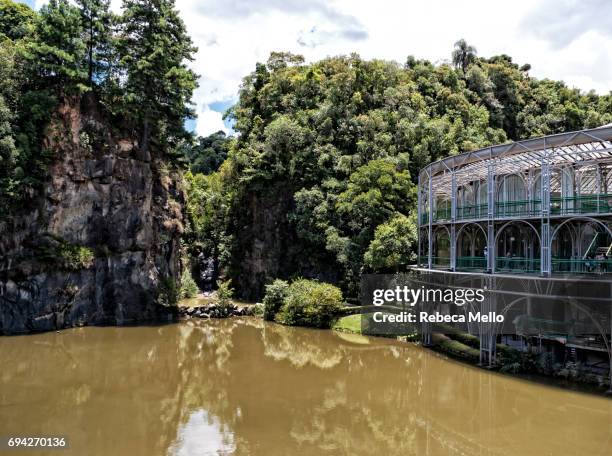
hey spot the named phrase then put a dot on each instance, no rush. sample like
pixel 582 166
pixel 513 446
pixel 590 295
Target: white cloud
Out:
pixel 232 35
pixel 209 121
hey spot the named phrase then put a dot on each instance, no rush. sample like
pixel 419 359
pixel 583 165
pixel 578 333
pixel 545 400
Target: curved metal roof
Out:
pixel 575 146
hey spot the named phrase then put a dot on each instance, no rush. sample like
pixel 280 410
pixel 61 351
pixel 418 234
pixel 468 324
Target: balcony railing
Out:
pixel 471 211
pixel 441 262
pixel 581 266
pixel 524 265
pixel 584 204
pixel 517 208
pixel 443 213
pixel 517 264
pixel 471 263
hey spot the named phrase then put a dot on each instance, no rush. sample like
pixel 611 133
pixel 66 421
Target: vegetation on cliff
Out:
pixel 133 65
pixel 320 180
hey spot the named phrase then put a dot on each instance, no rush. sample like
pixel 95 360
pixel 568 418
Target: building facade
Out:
pixel 539 206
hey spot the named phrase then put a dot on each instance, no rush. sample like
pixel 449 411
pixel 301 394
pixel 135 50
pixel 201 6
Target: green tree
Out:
pixel 97 22
pixel 463 55
pixel 8 153
pixel 394 245
pixel 56 54
pixel 208 153
pixel 310 303
pixel 16 19
pixel 375 191
pixel 189 288
pixel 155 49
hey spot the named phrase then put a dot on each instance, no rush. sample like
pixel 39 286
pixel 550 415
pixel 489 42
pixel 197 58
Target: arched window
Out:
pixel 517 248
pixel 512 196
pixel 441 248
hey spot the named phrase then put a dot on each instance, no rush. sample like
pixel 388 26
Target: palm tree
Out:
pixel 463 54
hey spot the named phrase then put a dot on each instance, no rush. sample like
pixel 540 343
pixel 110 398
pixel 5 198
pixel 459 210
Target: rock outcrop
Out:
pixel 267 246
pixel 101 243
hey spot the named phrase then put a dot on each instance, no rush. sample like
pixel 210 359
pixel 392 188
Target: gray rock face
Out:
pixel 97 245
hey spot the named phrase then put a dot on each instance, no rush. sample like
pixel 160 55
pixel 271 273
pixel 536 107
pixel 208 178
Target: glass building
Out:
pixel 539 206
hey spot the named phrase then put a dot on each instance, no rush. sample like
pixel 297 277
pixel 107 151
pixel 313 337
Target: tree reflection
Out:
pixel 242 386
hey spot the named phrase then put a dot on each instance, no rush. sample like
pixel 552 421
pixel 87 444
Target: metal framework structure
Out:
pixel 539 206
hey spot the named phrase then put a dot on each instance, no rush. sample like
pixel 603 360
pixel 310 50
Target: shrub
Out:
pixel 75 257
pixel 168 293
pixel 274 298
pixel 310 303
pixel 67 256
pixel 189 288
pixel 225 292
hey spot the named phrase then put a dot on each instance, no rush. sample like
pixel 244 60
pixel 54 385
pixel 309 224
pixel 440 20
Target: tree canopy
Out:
pixel 333 149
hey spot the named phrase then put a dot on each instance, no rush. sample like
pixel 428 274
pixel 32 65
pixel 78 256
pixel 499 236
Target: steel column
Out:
pixel 490 218
pixel 419 219
pixel 453 232
pixel 430 225
pixel 545 258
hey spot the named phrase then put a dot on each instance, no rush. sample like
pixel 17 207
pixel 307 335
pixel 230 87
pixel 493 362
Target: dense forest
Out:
pixel 320 176
pixel 318 180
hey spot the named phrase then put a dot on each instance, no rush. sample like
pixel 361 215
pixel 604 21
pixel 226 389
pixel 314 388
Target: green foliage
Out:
pixel 76 257
pixel 224 294
pixel 333 149
pixel 207 154
pixel 394 245
pixel 207 214
pixel 168 293
pixel 55 55
pixel 276 292
pixel 463 55
pixel 154 48
pixel 257 310
pixel 135 65
pixel 16 19
pixel 310 303
pixel 66 256
pixel 189 288
pixel 97 21
pixel 375 191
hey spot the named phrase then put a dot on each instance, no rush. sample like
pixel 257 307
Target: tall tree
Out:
pixel 463 55
pixel 97 21
pixel 155 49
pixel 57 50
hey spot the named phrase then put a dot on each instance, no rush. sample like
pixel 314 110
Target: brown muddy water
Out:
pixel 245 387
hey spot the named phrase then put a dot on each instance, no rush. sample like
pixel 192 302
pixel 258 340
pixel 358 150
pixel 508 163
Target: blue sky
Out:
pixel 569 40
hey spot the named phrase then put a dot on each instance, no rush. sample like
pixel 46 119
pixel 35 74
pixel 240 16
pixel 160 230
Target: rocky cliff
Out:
pixel 267 246
pixel 100 245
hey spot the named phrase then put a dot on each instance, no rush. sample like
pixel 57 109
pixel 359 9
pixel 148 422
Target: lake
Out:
pixel 242 386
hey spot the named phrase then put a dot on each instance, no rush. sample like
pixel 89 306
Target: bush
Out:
pixel 76 257
pixel 67 256
pixel 225 293
pixel 189 288
pixel 168 294
pixel 310 303
pixel 274 298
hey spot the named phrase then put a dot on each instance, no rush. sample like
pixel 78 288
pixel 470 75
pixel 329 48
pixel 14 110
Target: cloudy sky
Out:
pixel 562 39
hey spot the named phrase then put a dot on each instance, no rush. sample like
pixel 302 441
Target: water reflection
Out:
pixel 243 387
